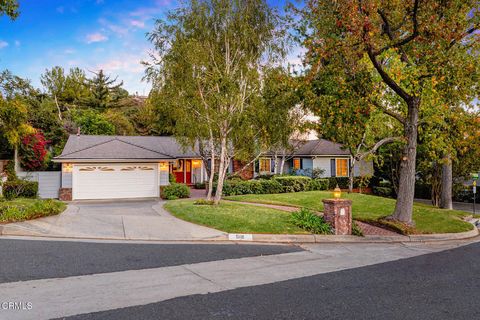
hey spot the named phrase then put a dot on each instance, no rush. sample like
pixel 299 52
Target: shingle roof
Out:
pixel 321 147
pixel 123 148
pixel 86 147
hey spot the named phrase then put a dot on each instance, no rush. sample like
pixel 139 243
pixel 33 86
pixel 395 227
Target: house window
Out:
pixel 264 165
pixel 342 168
pixel 296 164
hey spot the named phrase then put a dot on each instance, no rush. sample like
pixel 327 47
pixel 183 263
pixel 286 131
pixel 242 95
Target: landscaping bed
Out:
pixel 372 209
pixel 22 209
pixel 235 217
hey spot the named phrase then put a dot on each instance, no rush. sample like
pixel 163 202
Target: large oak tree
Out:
pixel 413 46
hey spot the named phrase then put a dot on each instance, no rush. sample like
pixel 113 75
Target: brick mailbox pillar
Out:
pixel 338 213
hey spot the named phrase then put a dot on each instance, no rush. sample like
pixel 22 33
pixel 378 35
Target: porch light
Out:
pixel 337 192
pixel 67 167
pixel 163 166
pixel 196 163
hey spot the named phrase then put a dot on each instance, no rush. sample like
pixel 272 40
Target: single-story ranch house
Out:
pixel 113 167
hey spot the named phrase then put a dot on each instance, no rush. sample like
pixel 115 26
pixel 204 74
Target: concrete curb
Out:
pixel 310 238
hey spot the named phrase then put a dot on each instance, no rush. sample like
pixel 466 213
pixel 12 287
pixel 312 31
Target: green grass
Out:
pixel 26 209
pixel 235 217
pixel 371 208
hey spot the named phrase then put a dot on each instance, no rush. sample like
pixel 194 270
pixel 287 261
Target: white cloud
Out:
pixel 137 23
pixel 17 43
pixel 3 44
pixel 60 9
pixel 69 51
pixel 96 37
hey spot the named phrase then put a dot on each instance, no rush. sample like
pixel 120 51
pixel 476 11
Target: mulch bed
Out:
pixel 370 230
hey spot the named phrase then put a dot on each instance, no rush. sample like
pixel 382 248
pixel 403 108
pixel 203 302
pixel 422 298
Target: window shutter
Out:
pixel 333 168
pixel 257 166
pixel 349 166
pixel 272 165
pixel 301 163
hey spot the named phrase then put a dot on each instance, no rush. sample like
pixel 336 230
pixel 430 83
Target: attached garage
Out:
pixel 122 167
pixel 115 180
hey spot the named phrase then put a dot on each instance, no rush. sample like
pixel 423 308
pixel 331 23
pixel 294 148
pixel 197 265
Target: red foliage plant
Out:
pixel 33 151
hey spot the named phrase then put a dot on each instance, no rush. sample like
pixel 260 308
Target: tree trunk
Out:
pixel 16 161
pixel 275 164
pixel 221 170
pixel 212 170
pixel 406 188
pixel 351 172
pixel 282 164
pixel 447 182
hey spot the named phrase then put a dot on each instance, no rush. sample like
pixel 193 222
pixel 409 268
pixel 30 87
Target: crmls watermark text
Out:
pixel 11 305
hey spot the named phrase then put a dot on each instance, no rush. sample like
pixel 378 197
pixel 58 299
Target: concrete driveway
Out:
pixel 125 220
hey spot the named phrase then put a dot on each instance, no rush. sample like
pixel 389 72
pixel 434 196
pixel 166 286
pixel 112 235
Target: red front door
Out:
pixel 188 171
pixel 178 171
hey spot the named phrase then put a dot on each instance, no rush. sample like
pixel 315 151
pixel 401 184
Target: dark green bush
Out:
pixel 175 191
pixel 293 183
pixel 342 182
pixel 318 184
pixel 171 178
pixel 20 188
pixel 311 222
pixel 382 191
pixel 200 185
pixel 239 187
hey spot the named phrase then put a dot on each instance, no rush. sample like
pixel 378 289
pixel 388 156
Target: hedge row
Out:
pixel 280 184
pixel 175 191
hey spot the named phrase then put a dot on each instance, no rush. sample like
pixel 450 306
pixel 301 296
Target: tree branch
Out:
pixel 391 113
pixel 375 147
pixel 386 78
pixel 403 41
pixel 465 34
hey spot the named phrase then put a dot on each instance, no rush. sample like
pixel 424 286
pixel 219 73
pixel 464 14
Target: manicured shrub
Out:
pixel 293 183
pixel 20 188
pixel 175 191
pixel 382 191
pixel 318 184
pixel 311 222
pixel 200 185
pixel 171 178
pixel 239 187
pixel 342 182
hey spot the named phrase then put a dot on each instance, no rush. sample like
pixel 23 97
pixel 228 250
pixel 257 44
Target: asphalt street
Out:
pixel 23 260
pixel 440 285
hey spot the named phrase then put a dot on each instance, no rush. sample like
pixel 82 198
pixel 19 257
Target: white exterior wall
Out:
pixel 324 164
pixel 163 174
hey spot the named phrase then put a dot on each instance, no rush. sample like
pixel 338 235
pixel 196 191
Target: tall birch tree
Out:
pixel 206 68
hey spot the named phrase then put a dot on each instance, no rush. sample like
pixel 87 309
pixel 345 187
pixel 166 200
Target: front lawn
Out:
pixel 234 217
pixel 370 208
pixel 26 209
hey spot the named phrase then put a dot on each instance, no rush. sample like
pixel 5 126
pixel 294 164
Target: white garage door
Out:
pixel 114 181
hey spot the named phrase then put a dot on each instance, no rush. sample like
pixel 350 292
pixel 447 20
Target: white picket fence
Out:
pixel 49 182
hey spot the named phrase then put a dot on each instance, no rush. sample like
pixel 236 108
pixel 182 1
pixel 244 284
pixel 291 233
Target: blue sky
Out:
pixel 91 34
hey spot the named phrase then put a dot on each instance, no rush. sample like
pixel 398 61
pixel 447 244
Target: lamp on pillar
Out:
pixel 338 213
pixel 337 192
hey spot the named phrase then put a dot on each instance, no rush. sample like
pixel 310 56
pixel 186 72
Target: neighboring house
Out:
pixel 315 154
pixel 114 167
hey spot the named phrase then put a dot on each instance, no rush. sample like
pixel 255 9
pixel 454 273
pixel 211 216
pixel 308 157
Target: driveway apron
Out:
pixel 126 220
